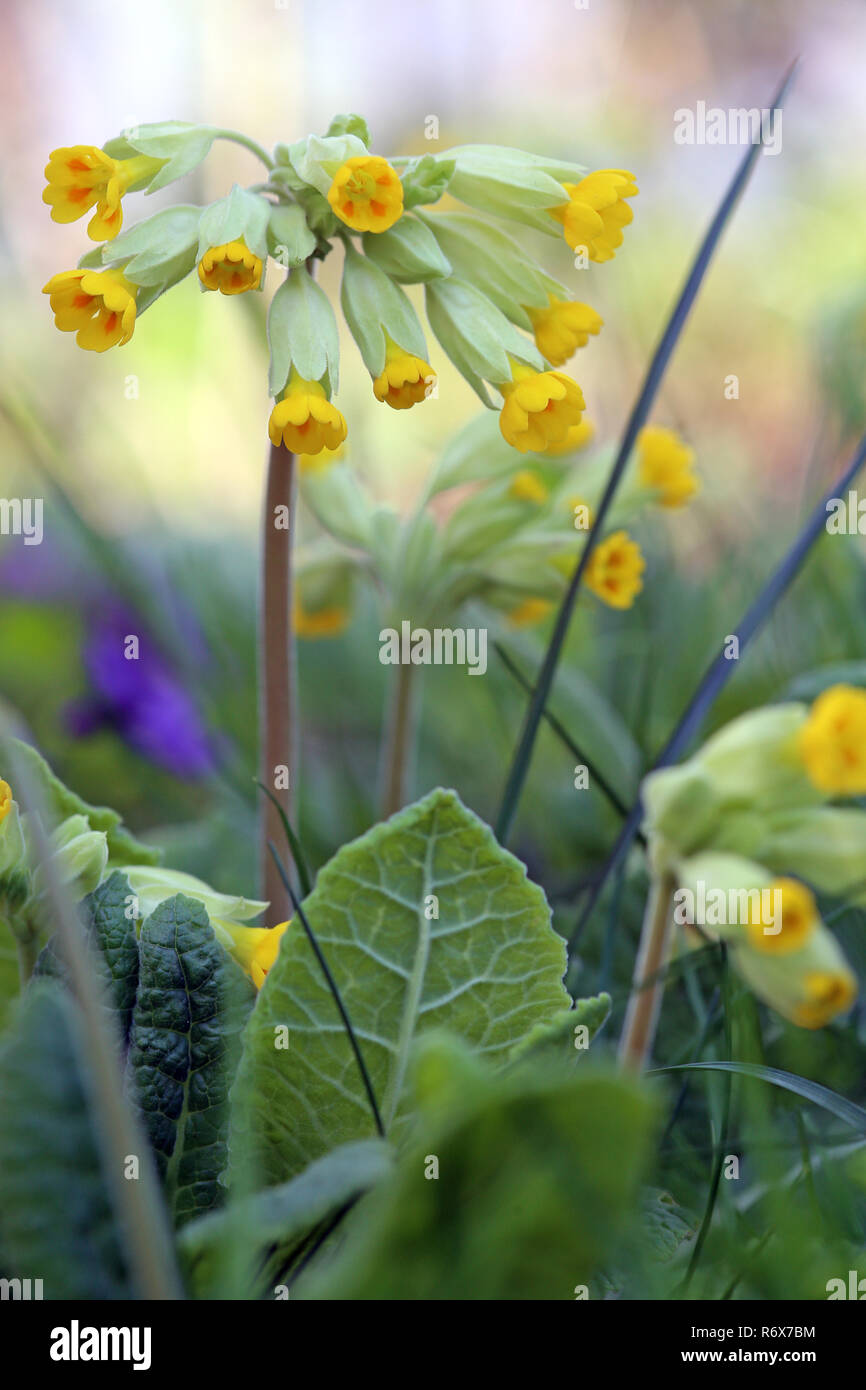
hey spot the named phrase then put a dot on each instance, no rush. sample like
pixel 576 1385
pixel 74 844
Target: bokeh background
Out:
pixel 151 459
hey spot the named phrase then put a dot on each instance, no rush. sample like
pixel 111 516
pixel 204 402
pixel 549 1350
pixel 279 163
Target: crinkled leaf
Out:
pixel 488 967
pixel 559 1040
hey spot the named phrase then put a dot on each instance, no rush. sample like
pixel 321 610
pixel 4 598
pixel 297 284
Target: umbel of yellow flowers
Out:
pixel 752 828
pixel 501 317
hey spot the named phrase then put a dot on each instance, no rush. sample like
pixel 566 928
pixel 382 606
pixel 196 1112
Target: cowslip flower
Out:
pixel 539 409
pixel 254 948
pixel 578 437
pixel 5 799
pixel 329 621
pixel 799 917
pixel 530 611
pixel 405 379
pixel 526 486
pixel 231 269
pixel 81 175
pixel 562 328
pixel 304 420
pixel 614 570
pixel 367 194
pixel 832 741
pixel 665 465
pixel 596 213
pixel 97 305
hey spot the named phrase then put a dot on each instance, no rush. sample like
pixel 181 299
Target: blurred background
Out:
pixel 151 459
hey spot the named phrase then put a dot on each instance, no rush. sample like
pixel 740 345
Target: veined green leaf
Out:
pixel 426 924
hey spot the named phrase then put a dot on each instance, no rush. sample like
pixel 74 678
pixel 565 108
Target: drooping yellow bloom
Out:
pixel 367 193
pixel 405 380
pixel 254 948
pixel 231 269
pixel 614 570
pixel 530 611
pixel 98 305
pixel 665 464
pixel 562 328
pixel 827 993
pixel 305 421
pixel 578 437
pixel 799 917
pixel 81 175
pixel 832 741
pixel 323 622
pixel 539 409
pixel 526 486
pixel 5 799
pixel 321 462
pixel 595 213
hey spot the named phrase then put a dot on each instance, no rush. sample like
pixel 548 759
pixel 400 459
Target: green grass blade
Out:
pixel 812 1091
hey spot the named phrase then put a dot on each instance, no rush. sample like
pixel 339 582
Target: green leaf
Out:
pixel 56 1217
pixel 408 252
pixel 487 968
pixel 234 1243
pixel 290 240
pixel 182 144
pixel 191 1004
pixel 813 1091
pixel 112 932
pixel 810 684
pixel 537 1178
pixel 559 1039
pixel 302 333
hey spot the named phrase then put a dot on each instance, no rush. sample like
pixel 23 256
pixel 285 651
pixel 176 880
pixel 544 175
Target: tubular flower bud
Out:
pixel 578 437
pixel 405 380
pixel 539 409
pixel 562 328
pixel 799 917
pixel 528 487
pixel 254 948
pixel 304 420
pixel 832 742
pixel 614 570
pixel 665 466
pixel 81 175
pixel 231 269
pixel 810 987
pixel 321 622
pixel 367 194
pixel 530 611
pixel 97 305
pixel 595 213
pixel 5 799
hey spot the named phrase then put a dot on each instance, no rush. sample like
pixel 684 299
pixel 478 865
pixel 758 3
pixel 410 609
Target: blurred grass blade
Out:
pixel 812 1091
pixel 721 669
pixel 637 419
pixel 293 842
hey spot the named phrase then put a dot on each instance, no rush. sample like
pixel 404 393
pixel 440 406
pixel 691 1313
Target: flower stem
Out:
pixel 399 740
pixel 278 721
pixel 641 1017
pixel 252 145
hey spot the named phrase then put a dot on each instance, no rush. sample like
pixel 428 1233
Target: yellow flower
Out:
pixel 665 465
pixel 97 304
pixel 595 213
pixel 81 175
pixel 539 409
pixel 304 421
pixel 321 462
pixel 254 948
pixel 531 610
pixel 827 994
pixel 231 269
pixel 562 328
pixel 5 799
pixel 577 437
pixel 324 622
pixel 799 913
pixel 367 193
pixel 614 570
pixel 406 379
pixel 832 741
pixel 528 487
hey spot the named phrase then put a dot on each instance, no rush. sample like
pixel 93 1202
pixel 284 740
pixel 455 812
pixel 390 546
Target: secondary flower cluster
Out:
pixel 497 314
pixel 752 819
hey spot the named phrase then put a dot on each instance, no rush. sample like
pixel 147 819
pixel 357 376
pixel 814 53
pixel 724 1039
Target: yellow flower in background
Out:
pixel 5 799
pixel 231 268
pixel 614 570
pixel 595 213
pixel 405 380
pixel 81 175
pixel 799 917
pixel 526 486
pixel 98 305
pixel 562 328
pixel 665 464
pixel 578 437
pixel 321 462
pixel 827 993
pixel 254 948
pixel 305 421
pixel 367 194
pixel 530 611
pixel 323 622
pixel 539 409
pixel 832 741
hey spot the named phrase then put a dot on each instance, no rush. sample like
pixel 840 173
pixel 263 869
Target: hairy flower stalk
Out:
pixel 400 728
pixel 644 1005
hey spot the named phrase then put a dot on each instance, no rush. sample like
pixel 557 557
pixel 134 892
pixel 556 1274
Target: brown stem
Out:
pixel 641 1018
pixel 278 696
pixel 398 740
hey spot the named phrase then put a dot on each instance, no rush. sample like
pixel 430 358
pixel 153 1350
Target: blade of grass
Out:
pixel 721 1145
pixel 294 843
pixel 640 412
pixel 811 1091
